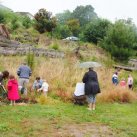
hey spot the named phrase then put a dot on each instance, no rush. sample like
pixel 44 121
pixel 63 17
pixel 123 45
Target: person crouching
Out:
pixel 44 87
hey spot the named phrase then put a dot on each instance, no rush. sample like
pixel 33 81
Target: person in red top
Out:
pixel 12 88
pixel 123 83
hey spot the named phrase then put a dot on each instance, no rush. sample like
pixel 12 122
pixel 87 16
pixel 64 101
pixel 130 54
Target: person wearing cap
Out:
pixel 24 72
pixel 91 87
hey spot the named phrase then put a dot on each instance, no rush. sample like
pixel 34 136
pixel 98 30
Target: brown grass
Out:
pixel 63 74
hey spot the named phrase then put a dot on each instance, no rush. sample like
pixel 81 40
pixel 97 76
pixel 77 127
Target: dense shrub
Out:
pixel 117 95
pixel 120 40
pixel 96 30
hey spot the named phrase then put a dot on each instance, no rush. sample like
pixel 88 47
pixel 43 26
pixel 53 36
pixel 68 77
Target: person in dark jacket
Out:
pixel 91 87
pixel 24 72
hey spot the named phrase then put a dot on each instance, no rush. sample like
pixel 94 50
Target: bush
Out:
pixel 26 22
pixel 55 46
pixel 120 40
pixel 117 95
pixel 44 100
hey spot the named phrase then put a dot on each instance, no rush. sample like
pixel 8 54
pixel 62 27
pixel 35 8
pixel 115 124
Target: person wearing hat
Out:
pixel 91 87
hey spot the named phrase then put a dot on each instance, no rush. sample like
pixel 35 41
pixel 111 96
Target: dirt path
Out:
pixel 54 129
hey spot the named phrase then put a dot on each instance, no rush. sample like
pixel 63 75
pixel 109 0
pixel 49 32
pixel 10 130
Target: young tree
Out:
pixel 44 21
pixel 62 18
pixel 84 14
pixel 96 30
pixel 120 40
pixel 61 31
pixel 74 26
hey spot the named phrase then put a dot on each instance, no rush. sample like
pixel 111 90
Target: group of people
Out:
pixel 13 86
pixel 88 90
pixel 123 83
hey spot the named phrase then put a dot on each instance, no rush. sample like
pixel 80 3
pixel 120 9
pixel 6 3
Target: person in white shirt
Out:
pixel 79 94
pixel 44 87
pixel 130 81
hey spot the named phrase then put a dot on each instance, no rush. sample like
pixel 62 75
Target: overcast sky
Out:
pixel 110 9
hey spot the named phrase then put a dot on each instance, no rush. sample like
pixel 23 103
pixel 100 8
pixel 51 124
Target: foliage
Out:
pixel 30 60
pixel 117 95
pixel 2 19
pixel 55 46
pixel 62 18
pixel 14 24
pixel 74 26
pixel 26 22
pixel 44 21
pixel 96 30
pixel 45 100
pixel 84 14
pixel 120 40
pixel 61 31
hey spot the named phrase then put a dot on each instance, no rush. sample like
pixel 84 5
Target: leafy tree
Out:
pixel 96 30
pixel 61 31
pixel 62 18
pixel 74 26
pixel 85 14
pixel 120 40
pixel 44 21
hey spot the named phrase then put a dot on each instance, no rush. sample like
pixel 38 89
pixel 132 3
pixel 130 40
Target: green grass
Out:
pixel 33 120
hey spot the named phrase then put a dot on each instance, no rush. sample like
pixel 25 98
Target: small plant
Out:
pixel 44 100
pixel 30 60
pixel 55 46
pixel 117 95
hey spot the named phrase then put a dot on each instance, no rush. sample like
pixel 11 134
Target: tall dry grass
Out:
pixel 63 74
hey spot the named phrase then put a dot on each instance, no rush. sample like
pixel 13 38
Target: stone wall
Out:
pixel 8 47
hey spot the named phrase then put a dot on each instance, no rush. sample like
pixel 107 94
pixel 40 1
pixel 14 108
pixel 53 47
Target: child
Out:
pixel 123 83
pixel 115 78
pixel 44 87
pixel 130 82
pixel 12 87
pixel 37 83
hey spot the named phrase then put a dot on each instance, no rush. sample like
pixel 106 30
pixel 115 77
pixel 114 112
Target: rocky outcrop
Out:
pixel 4 32
pixel 8 47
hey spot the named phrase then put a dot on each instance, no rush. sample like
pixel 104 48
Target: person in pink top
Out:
pixel 123 83
pixel 12 88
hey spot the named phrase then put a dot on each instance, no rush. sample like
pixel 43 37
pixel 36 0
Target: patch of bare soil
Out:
pixel 84 130
pixel 44 128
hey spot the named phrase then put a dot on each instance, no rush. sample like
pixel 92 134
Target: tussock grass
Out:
pixel 63 74
pixel 45 100
pixel 117 95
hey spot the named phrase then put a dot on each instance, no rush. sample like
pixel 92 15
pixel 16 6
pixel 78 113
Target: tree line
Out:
pixel 119 38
